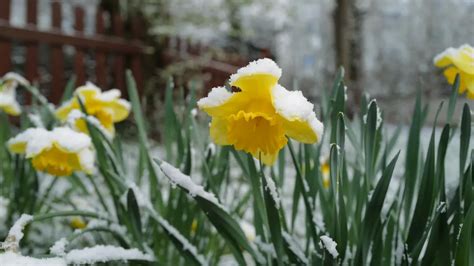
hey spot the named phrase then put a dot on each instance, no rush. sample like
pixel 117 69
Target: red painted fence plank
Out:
pixel 100 56
pixel 79 67
pixel 119 62
pixel 5 46
pixel 57 58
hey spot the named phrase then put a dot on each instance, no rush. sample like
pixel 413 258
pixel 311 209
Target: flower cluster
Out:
pixel 68 148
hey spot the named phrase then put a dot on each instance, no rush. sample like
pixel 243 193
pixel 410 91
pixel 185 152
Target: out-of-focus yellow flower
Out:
pixel 106 107
pixel 458 61
pixel 77 223
pixel 58 152
pixel 259 113
pixel 194 226
pixel 8 84
pixel 325 171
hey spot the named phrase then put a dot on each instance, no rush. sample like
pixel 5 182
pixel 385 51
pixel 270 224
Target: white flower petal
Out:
pixel 12 76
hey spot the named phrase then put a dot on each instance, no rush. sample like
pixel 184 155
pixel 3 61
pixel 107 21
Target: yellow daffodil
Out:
pixel 8 84
pixel 58 152
pixel 325 171
pixel 105 107
pixel 259 113
pixel 458 61
pixel 77 223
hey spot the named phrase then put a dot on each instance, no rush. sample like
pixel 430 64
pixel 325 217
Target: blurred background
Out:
pixel 386 47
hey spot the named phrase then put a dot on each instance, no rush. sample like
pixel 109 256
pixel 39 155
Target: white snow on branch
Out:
pixel 12 243
pixel 103 253
pixel 184 181
pixel 330 245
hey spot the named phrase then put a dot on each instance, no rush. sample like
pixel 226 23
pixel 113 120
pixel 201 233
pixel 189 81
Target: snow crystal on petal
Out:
pixel 70 140
pixel 292 105
pixel 101 253
pixel 217 96
pixel 109 95
pixel 330 245
pixel 260 66
pixel 41 137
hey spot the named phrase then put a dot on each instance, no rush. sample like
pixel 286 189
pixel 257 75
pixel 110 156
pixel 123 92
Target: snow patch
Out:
pixel 12 243
pixel 260 66
pixel 184 181
pixel 217 97
pixel 293 106
pixel 103 253
pixel 295 248
pixel 59 247
pixel 15 259
pixel 273 191
pixel 330 245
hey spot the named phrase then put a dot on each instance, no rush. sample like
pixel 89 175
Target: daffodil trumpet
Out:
pixel 259 114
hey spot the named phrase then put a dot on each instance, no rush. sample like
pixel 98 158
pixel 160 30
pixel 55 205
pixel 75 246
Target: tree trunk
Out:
pixel 348 22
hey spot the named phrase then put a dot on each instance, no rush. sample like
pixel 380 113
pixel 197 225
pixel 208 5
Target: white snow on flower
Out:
pixel 260 66
pixel 273 191
pixel 12 242
pixel 15 259
pixel 295 248
pixel 248 229
pixel 37 140
pixel 184 181
pixel 76 114
pixel 293 106
pixel 330 245
pixel 59 247
pixel 12 76
pixel 217 97
pixel 101 253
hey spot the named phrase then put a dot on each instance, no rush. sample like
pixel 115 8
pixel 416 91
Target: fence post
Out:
pixel 79 67
pixel 100 56
pixel 31 69
pixel 119 69
pixel 5 45
pixel 57 57
pixel 137 28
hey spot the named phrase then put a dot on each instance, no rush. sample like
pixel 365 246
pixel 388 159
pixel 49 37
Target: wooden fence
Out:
pixel 124 53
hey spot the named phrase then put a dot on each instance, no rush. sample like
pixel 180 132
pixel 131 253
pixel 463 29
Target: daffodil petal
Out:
pixel 41 141
pixel 70 140
pixel 462 58
pixel 12 76
pixel 120 109
pixel 297 113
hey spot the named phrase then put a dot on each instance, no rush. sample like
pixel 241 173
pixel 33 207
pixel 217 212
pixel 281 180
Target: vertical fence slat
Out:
pixel 100 56
pixel 137 28
pixel 119 68
pixel 79 67
pixel 5 45
pixel 31 68
pixel 57 57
